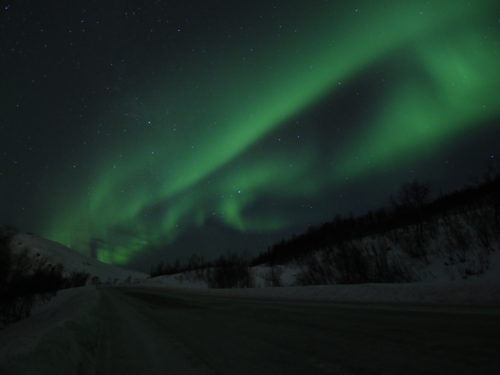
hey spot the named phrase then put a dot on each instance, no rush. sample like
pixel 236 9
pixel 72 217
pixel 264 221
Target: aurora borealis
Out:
pixel 144 122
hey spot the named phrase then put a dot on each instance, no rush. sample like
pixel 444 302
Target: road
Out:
pixel 156 331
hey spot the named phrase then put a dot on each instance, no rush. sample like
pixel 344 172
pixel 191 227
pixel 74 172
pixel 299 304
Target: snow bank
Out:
pixel 53 334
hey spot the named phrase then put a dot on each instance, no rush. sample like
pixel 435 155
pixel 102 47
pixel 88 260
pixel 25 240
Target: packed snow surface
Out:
pixel 138 329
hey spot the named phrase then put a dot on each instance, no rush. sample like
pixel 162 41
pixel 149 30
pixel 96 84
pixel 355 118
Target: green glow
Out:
pixel 201 156
pixel 465 92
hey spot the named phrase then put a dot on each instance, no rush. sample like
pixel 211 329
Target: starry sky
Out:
pixel 157 129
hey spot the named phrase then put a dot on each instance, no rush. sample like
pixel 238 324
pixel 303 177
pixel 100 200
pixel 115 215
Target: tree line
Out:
pixel 332 253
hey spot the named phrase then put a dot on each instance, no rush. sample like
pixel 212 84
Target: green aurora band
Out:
pixel 202 150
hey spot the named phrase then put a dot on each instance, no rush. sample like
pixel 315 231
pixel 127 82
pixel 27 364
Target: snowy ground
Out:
pixel 47 320
pixel 133 330
pixel 177 324
pixel 473 292
pixel 441 287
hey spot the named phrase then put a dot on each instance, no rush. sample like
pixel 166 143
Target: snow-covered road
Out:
pixel 139 330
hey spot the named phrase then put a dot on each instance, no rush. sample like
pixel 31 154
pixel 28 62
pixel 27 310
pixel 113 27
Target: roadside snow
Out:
pixel 481 289
pixel 464 292
pixel 24 336
pixel 428 293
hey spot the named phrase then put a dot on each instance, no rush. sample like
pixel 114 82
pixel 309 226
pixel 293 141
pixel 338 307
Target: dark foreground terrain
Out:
pixel 157 331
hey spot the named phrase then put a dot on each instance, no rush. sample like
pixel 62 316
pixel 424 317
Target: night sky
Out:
pixel 164 128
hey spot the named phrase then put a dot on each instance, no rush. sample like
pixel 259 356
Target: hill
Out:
pixel 72 261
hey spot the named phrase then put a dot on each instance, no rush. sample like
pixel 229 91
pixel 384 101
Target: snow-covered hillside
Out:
pixel 71 260
pixel 459 248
